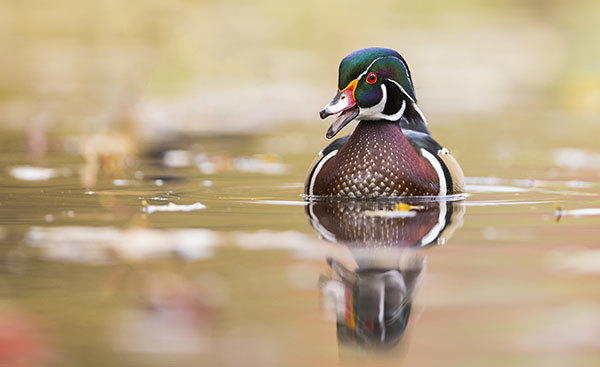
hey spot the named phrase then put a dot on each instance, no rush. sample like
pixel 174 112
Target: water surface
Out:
pixel 201 251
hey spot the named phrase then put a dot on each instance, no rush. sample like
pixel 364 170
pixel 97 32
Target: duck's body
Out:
pixel 383 159
pixel 390 153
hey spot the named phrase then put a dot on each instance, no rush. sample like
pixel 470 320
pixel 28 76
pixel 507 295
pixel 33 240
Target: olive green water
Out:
pixel 92 275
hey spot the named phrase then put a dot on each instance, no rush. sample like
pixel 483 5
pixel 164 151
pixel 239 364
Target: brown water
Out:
pixel 239 271
pixel 152 156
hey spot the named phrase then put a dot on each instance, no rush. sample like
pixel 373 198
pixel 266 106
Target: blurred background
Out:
pixel 154 67
pixel 151 70
pixel 137 139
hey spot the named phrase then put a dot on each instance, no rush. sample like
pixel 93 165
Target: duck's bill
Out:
pixel 345 103
pixel 342 120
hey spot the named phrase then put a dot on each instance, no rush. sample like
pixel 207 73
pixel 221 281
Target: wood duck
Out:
pixel 391 152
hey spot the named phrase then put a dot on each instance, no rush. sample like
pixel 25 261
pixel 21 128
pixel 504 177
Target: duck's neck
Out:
pixel 380 137
pixel 379 132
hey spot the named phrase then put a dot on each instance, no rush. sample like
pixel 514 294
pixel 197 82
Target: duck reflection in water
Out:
pixel 372 302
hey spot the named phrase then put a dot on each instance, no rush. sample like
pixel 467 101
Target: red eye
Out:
pixel 371 78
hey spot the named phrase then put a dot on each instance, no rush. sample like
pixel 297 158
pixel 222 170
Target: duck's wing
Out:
pixel 440 158
pixel 324 155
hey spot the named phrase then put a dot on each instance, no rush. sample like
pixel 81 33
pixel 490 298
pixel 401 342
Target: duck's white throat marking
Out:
pixel 376 112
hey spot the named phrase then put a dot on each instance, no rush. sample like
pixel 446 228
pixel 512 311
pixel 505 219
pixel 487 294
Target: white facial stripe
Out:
pixel 376 112
pixel 402 89
pixel 438 169
pixel 407 73
pixel 397 115
pixel 416 108
pixel 341 104
pixel 368 67
pixel 317 169
pixel 383 57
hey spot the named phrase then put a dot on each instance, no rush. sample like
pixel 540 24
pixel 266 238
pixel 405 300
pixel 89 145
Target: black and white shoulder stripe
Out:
pixel 428 148
pixel 323 157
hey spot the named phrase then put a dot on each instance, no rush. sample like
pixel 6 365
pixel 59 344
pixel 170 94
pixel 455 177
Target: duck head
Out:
pixel 373 84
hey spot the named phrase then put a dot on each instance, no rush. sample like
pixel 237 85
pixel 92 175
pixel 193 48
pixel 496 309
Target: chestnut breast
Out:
pixel 377 161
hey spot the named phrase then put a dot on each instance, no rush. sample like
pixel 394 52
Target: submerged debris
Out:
pixel 401 210
pixel 107 245
pixel 407 207
pixel 31 173
pixel 121 182
pixel 583 212
pixel 172 207
pixel 101 245
pixel 178 158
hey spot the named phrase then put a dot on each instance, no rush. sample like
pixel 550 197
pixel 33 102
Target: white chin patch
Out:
pixel 338 107
pixel 376 112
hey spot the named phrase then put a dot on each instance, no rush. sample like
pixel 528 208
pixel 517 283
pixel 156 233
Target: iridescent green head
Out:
pixel 374 84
